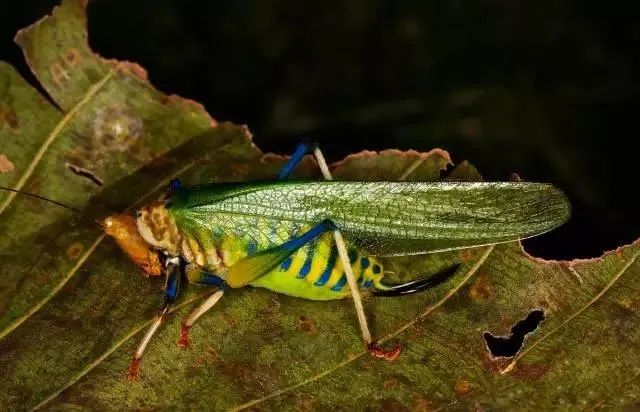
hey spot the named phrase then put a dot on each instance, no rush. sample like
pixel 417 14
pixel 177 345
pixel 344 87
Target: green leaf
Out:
pixel 72 306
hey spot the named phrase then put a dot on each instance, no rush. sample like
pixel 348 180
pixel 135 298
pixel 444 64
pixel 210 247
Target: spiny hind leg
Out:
pixel 307 147
pixel 374 348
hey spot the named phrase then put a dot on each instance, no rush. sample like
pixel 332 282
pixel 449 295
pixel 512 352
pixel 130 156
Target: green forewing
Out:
pixel 387 218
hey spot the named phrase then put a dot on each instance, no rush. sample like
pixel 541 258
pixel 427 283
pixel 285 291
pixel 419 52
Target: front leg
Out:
pixel 199 276
pixel 172 290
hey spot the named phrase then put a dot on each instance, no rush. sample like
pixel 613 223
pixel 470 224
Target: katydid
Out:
pixel 320 240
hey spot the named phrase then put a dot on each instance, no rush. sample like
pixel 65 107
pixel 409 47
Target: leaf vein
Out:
pixel 608 286
pixel 91 92
pixel 19 321
pixel 393 334
pixel 112 349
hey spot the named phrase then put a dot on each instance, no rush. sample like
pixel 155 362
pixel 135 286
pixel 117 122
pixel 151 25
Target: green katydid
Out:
pixel 320 240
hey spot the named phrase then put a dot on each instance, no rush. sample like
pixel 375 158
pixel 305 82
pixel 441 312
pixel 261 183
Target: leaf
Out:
pixel 72 306
pixel 108 121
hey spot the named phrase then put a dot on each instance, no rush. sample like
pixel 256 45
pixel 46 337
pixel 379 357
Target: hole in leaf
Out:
pixel 501 346
pixel 88 174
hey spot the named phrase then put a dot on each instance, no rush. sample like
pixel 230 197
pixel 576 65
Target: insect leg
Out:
pixel 247 270
pixel 195 314
pixel 373 347
pixel 304 148
pixel 355 291
pixel 172 289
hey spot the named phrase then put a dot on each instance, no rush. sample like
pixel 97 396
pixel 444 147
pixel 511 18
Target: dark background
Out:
pixel 545 89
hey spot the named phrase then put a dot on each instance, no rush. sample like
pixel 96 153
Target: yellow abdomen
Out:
pixel 315 272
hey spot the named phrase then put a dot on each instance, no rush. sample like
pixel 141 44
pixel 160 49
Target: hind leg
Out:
pixel 372 346
pixel 303 149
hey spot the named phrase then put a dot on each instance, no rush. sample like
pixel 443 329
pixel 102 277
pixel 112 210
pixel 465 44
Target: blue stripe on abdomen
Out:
pixel 306 267
pixel 286 264
pixel 338 286
pixel 331 262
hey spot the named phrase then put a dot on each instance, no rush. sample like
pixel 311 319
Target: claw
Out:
pixel 183 342
pixel 378 351
pixel 133 373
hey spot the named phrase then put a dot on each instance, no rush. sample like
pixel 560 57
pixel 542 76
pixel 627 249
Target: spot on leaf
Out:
pixel 462 387
pixel 482 290
pixel 6 165
pixel 116 129
pixel 9 117
pixel 75 250
pixel 307 325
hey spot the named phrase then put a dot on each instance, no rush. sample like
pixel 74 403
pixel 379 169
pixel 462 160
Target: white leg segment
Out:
pixel 355 291
pixel 322 164
pixel 203 308
pixel 152 330
pixel 344 257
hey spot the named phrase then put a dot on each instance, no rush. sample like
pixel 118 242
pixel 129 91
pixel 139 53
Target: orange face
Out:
pixel 123 229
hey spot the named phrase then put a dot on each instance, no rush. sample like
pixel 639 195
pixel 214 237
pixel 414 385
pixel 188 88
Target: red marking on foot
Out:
pixel 183 342
pixel 378 351
pixel 133 374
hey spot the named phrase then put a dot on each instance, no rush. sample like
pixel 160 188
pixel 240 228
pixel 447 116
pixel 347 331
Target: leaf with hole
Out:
pixel 72 306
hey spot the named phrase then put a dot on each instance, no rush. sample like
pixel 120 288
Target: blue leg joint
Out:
pixel 210 279
pixel 174 278
pixel 303 149
pixel 175 184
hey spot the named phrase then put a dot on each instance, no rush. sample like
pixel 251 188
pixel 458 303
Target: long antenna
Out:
pixel 55 202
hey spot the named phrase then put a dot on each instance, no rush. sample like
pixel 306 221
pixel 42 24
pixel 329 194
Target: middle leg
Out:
pixel 195 314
